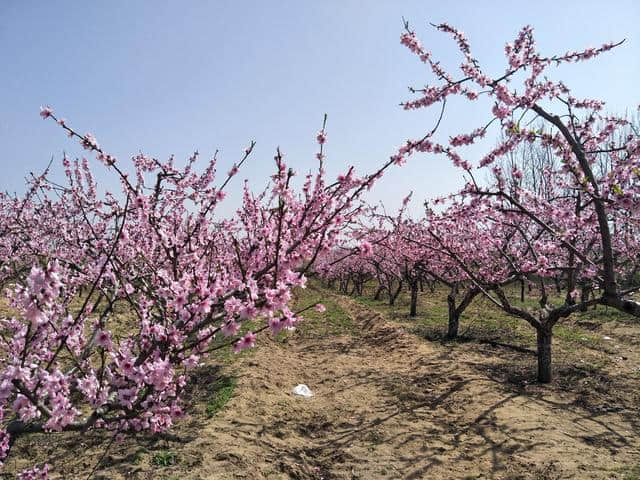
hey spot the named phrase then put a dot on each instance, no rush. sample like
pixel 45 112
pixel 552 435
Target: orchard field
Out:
pixel 392 399
pixel 158 317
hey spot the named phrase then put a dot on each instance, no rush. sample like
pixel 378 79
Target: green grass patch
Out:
pixel 333 321
pixel 224 389
pixel 136 457
pixel 570 334
pixel 603 313
pixel 164 458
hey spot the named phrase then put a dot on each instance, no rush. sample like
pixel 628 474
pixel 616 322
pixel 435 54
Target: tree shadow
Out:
pixel 428 405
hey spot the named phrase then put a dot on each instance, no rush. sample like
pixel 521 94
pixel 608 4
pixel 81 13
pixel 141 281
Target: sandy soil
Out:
pixel 387 405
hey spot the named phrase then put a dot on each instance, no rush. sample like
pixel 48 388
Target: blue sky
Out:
pixel 172 77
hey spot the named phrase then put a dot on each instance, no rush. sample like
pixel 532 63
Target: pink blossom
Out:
pixel 275 324
pixel 103 339
pixel 366 248
pixel 35 473
pixel 45 112
pixel 248 341
pixel 230 328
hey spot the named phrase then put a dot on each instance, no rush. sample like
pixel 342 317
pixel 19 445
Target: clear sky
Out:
pixel 171 77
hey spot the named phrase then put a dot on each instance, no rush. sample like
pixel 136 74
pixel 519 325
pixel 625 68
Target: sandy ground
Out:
pixel 387 404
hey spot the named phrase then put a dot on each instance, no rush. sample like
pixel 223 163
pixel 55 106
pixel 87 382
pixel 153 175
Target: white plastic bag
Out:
pixel 302 390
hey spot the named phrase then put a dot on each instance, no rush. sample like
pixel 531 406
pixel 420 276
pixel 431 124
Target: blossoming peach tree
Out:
pixel 586 229
pixel 71 257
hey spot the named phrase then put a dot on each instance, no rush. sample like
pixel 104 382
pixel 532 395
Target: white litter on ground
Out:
pixel 302 390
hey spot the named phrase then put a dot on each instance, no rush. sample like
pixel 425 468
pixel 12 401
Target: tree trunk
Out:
pixel 394 295
pixel 454 322
pixel 544 355
pixel 454 318
pixel 456 312
pixel 414 300
pixel 584 297
pixel 378 293
pixel 522 290
pixel 558 285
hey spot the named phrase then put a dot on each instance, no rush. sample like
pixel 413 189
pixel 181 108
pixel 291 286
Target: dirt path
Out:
pixel 390 405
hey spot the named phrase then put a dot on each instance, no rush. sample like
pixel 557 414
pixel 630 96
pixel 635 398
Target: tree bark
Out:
pixel 584 297
pixel 454 323
pixel 629 306
pixel 378 293
pixel 456 312
pixel 544 355
pixel 414 300
pixel 394 295
pixel 454 318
